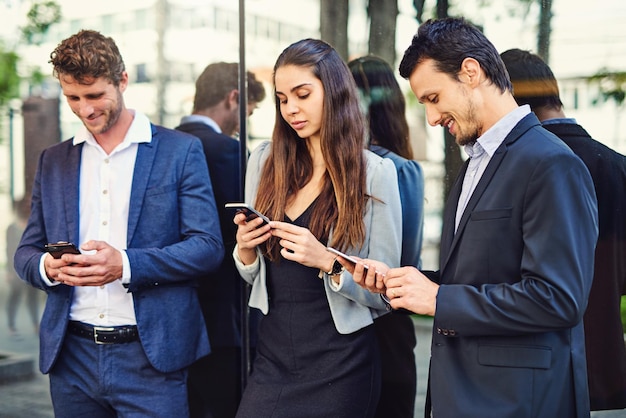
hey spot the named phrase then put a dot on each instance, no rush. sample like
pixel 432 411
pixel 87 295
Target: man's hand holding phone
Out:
pixel 100 264
pixel 57 250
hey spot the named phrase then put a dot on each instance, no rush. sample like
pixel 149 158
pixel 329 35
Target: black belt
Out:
pixel 104 335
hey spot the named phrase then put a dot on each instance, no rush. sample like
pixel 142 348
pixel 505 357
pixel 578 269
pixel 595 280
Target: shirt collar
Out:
pixel 555 121
pixel 493 137
pixel 201 119
pixel 140 130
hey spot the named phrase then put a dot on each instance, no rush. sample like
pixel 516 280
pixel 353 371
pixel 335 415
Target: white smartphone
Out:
pixel 249 211
pixel 342 255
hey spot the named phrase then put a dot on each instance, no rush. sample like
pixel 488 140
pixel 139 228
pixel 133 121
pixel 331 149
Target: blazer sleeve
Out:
pixel 411 185
pixel 255 272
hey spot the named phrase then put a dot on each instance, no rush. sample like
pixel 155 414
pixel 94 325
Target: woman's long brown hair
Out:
pixel 289 167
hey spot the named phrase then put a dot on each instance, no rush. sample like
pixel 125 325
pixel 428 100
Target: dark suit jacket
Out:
pixel 507 333
pixel 604 334
pixel 221 292
pixel 173 240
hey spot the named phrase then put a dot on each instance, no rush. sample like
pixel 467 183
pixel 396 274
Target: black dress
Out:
pixel 304 367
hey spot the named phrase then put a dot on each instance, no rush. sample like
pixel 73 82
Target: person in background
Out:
pixel 215 381
pixel 122 320
pixel 317 353
pixel 385 110
pixel 17 288
pixel 534 84
pixel 518 239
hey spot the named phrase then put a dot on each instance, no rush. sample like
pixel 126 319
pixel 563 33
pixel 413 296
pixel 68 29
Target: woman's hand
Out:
pixel 249 235
pixel 301 246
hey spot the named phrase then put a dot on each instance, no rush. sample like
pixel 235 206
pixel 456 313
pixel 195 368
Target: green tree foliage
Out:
pixel 40 17
pixel 611 84
pixel 9 78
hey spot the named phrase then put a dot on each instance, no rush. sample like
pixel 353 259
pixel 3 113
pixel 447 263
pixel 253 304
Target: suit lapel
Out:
pixel 146 152
pixel 485 179
pixel 71 186
pixel 447 233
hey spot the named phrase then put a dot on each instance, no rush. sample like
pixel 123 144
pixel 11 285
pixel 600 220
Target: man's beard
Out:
pixel 464 138
pixel 111 117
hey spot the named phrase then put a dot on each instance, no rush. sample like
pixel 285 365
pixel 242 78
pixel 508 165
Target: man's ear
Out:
pixel 231 100
pixel 123 82
pixel 470 72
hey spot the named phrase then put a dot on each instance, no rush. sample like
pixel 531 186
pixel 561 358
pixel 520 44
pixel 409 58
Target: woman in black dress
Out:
pixel 317 353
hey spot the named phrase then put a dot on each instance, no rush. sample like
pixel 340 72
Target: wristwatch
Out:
pixel 336 269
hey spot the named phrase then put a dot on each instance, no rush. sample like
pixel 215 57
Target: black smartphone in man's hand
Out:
pixel 56 250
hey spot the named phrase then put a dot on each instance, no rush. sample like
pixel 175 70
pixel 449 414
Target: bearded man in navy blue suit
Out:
pixel 122 320
pixel 215 381
pixel 516 259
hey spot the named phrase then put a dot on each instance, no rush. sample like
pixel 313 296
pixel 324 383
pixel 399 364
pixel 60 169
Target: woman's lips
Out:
pixel 298 125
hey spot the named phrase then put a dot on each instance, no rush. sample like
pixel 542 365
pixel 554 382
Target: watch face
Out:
pixel 337 268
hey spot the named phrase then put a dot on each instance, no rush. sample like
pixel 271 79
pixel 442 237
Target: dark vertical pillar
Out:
pixel 41 129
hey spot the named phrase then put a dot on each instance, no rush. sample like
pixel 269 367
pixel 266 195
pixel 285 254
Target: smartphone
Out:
pixel 62 247
pixel 342 255
pixel 249 211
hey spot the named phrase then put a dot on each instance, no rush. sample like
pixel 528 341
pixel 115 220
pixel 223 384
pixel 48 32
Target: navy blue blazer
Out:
pixel 173 240
pixel 508 336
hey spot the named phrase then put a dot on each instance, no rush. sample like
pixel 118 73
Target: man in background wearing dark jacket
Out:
pixel 215 381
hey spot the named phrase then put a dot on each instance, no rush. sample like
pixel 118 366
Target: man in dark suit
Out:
pixel 534 84
pixel 215 381
pixel 122 320
pixel 518 238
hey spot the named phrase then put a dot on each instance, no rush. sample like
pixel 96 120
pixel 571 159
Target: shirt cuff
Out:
pixel 245 268
pixel 335 286
pixel 125 268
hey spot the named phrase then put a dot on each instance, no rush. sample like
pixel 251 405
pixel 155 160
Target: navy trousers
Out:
pixel 113 380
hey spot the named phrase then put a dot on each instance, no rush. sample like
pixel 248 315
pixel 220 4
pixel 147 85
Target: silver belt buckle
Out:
pixel 95 334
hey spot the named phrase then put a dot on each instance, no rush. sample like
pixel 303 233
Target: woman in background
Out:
pixel 384 107
pixel 317 353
